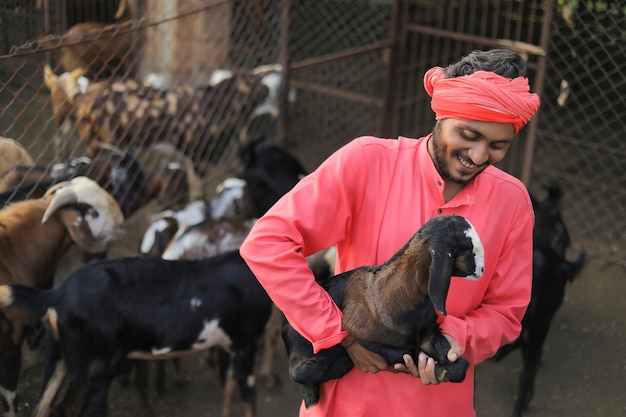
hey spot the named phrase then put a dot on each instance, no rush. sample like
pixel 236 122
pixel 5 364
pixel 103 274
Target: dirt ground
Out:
pixel 583 372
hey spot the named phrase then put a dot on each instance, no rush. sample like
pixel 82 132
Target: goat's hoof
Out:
pixel 452 372
pixel 443 376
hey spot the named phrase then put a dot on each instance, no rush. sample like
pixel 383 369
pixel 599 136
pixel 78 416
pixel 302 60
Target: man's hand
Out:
pixel 365 360
pixel 425 367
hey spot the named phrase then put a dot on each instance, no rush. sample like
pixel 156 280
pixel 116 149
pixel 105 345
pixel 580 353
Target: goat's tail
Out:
pixel 30 300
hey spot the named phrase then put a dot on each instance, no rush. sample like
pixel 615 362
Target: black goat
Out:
pixel 144 308
pixel 551 273
pixel 269 171
pixel 421 270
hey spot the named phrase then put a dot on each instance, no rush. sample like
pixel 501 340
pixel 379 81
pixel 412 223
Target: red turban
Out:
pixel 482 95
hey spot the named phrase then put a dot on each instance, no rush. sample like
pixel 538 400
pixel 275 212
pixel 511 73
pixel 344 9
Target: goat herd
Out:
pixel 108 312
pixel 187 289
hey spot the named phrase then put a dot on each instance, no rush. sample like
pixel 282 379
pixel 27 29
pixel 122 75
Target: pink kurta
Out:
pixel 368 199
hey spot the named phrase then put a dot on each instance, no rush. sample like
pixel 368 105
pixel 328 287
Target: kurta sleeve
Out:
pixel 497 320
pixel 313 216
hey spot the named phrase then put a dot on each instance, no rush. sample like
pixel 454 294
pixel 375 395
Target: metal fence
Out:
pixel 580 137
pixel 355 67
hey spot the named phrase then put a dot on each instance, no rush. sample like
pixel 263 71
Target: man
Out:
pixel 368 199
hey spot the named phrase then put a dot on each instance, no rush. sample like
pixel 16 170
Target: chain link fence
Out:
pixel 581 131
pixel 342 71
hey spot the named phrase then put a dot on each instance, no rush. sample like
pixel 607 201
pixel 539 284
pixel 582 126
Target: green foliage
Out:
pixel 614 8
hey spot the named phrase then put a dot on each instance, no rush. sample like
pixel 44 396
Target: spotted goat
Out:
pixel 203 123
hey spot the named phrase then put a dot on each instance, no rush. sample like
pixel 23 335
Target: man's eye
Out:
pixel 499 146
pixel 469 135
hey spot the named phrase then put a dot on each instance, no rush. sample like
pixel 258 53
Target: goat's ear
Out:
pixel 79 231
pixel 439 282
pixel 77 73
pixel 49 76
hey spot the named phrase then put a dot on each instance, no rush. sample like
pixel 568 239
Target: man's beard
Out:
pixel 439 158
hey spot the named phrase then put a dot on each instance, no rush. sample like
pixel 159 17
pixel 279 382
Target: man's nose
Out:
pixel 479 153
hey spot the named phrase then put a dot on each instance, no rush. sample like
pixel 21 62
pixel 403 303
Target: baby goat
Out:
pixel 421 271
pixel 144 308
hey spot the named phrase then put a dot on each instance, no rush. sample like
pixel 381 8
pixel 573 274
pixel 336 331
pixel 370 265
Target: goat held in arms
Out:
pixel 403 292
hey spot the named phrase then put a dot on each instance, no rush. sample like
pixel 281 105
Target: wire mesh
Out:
pixel 580 142
pixel 340 58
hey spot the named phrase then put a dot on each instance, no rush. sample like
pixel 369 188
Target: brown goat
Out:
pixel 390 308
pixel 69 92
pixel 12 154
pixel 34 235
pixel 199 122
pixel 168 185
pixel 21 175
pixel 102 49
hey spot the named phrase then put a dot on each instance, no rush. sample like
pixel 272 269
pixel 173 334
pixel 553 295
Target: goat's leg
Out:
pixel 534 337
pixel 35 335
pixel 159 378
pixel 305 367
pixel 61 140
pixel 178 372
pixel 526 389
pixel 437 347
pixel 271 338
pixel 142 376
pixel 227 380
pixel 52 386
pixel 9 374
pixel 93 397
pixel 243 365
pixel 311 369
pixel 68 405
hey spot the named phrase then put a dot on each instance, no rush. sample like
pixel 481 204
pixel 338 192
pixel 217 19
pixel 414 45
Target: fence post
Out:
pixel 285 59
pixel 391 56
pixel 542 63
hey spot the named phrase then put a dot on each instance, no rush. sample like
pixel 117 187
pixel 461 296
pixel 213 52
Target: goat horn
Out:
pixel 109 220
pixel 80 190
pixel 61 198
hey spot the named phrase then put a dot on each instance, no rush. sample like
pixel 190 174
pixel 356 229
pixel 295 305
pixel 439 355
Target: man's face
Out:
pixel 462 149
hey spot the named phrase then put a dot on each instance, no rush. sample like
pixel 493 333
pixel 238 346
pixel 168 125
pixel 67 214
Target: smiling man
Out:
pixel 368 199
pixel 466 149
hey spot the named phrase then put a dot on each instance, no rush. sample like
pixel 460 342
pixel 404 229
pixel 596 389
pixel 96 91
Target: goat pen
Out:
pixel 354 67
